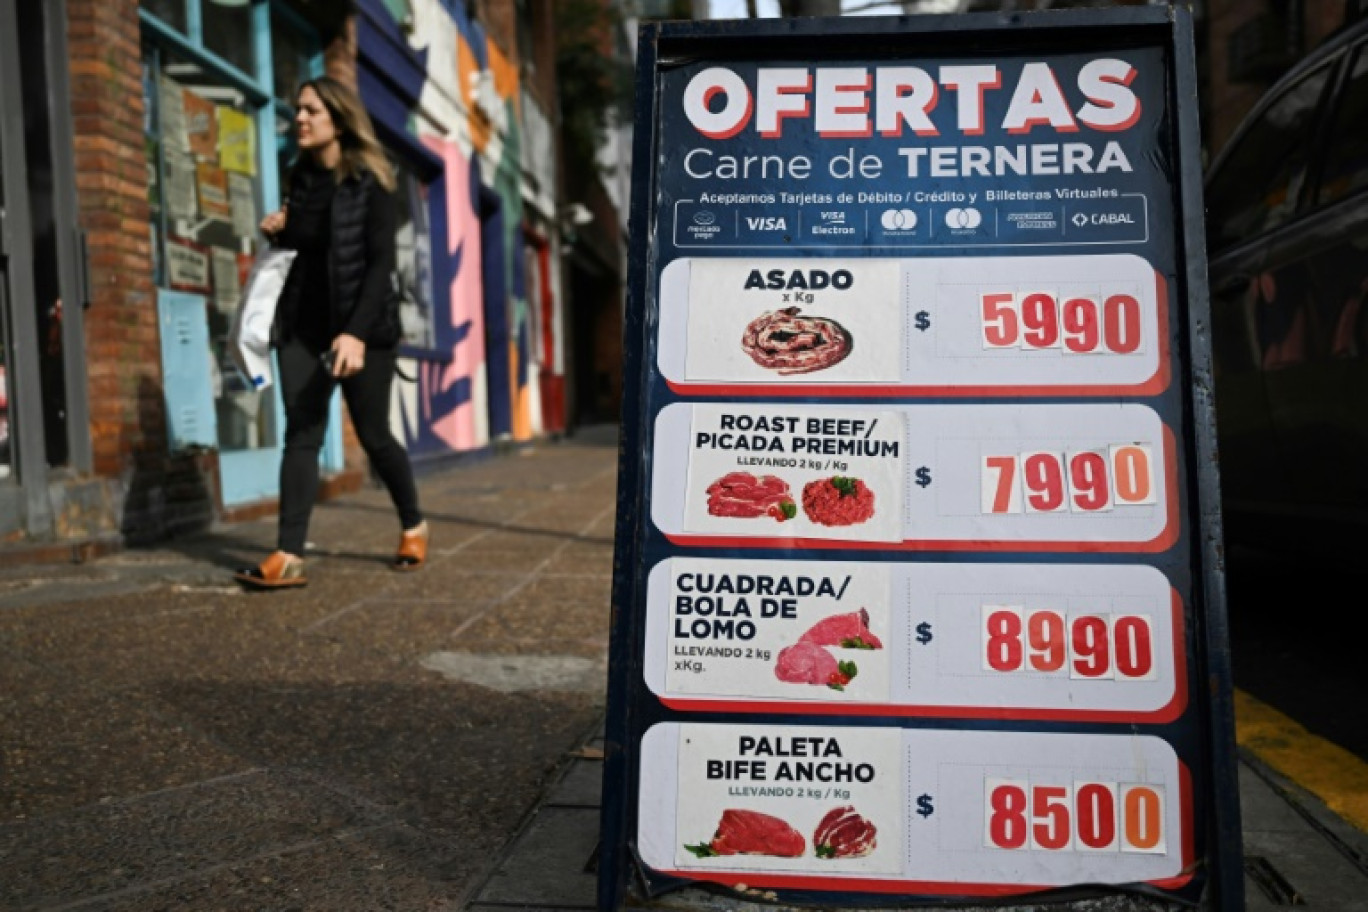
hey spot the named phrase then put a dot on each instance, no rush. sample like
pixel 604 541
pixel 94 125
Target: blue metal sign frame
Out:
pixel 1166 229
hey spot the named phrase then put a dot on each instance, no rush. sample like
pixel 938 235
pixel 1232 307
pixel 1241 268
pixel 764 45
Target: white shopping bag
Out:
pixel 250 339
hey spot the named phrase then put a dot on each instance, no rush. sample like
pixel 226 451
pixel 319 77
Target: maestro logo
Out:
pixel 898 219
pixel 966 219
pixel 704 217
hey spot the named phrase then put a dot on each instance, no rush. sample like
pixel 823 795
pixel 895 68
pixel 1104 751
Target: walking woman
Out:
pixel 337 320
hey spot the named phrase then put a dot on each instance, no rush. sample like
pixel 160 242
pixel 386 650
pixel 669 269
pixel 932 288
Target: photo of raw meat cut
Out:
pixel 850 631
pixel 844 834
pixel 808 663
pixel 785 342
pixel 741 494
pixel 743 832
pixel 838 501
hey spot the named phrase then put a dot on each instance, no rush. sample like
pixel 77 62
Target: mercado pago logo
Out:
pixel 910 102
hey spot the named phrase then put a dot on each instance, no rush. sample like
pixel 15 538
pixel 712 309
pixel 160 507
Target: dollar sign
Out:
pixel 923 320
pixel 923 633
pixel 924 806
pixel 923 476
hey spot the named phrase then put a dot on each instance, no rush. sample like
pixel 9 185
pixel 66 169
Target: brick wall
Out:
pixel 127 413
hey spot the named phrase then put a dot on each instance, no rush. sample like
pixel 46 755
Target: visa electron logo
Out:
pixel 851 102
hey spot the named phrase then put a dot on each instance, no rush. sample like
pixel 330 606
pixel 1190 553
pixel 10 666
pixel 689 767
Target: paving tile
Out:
pixel 547 864
pixel 582 785
pixel 390 869
pixel 166 835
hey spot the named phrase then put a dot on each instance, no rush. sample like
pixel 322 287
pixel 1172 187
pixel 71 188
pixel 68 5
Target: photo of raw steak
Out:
pixel 838 501
pixel 844 834
pixel 751 833
pixel 850 631
pixel 808 663
pixel 785 342
pixel 741 494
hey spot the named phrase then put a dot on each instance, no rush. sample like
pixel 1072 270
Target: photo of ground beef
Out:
pixel 782 341
pixel 838 501
pixel 741 494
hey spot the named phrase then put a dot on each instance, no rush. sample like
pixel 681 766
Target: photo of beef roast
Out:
pixel 809 663
pixel 782 341
pixel 751 833
pixel 844 834
pixel 850 631
pixel 741 494
pixel 838 501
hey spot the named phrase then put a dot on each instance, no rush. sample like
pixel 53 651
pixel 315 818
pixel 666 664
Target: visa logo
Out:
pixel 766 223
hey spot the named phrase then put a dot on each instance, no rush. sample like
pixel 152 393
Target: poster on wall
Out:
pixel 201 126
pixel 242 203
pixel 211 185
pixel 236 141
pixel 914 533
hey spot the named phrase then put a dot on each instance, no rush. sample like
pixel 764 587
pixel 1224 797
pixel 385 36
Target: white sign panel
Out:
pixel 892 810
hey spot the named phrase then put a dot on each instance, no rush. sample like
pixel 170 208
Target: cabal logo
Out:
pixel 1103 218
pixel 704 217
pixel 766 223
pixel 809 279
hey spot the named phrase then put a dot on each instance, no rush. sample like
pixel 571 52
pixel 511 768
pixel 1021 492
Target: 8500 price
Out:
pixel 1082 817
pixel 1093 646
pixel 1078 324
pixel 1083 482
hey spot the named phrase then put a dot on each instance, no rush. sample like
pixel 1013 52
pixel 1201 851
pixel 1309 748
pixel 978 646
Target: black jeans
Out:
pixel 306 385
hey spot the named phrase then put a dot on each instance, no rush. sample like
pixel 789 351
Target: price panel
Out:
pixel 972 326
pixel 1078 817
pixel 1056 641
pixel 913 811
pixel 917 477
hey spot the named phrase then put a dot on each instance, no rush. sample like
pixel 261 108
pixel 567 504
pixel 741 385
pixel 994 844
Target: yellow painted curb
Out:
pixel 1331 773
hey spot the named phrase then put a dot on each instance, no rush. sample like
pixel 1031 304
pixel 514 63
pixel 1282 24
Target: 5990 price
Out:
pixel 1081 817
pixel 1092 646
pixel 1089 481
pixel 1078 324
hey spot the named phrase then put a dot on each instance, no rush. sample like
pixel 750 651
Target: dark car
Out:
pixel 1287 235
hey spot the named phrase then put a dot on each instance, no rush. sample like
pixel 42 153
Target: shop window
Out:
pixel 413 264
pixel 172 12
pixel 228 32
pixel 292 55
pixel 206 194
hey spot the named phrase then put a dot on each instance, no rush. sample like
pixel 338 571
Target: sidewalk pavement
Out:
pixel 421 742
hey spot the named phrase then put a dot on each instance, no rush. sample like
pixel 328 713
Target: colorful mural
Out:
pixel 484 381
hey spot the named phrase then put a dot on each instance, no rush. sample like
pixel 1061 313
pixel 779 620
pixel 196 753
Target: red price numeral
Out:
pixel 1081 331
pixel 1081 324
pixel 1086 482
pixel 1121 323
pixel 1040 321
pixel 1042 474
pixel 1087 817
pixel 999 320
pixel 1094 646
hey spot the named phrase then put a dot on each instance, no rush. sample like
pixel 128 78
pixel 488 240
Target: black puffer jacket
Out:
pixel 361 259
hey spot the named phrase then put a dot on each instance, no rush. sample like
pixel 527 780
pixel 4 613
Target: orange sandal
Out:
pixel 279 571
pixel 413 545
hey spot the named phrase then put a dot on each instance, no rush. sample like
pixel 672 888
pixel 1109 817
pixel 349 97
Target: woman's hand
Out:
pixel 349 355
pixel 274 223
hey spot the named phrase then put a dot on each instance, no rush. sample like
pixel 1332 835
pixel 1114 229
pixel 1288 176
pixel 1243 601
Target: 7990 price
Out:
pixel 1082 817
pixel 1089 481
pixel 1092 646
pixel 1077 324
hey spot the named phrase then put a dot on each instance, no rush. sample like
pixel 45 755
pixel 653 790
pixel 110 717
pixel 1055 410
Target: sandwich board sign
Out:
pixel 916 596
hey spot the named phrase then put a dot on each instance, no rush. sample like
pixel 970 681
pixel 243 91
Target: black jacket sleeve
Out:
pixel 380 257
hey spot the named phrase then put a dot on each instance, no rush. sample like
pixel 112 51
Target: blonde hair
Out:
pixel 361 151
